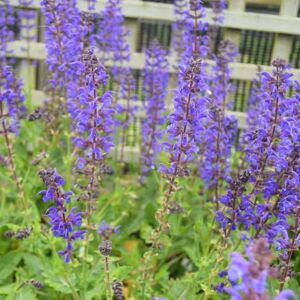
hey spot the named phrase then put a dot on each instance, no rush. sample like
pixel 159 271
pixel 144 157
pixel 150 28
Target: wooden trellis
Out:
pixel 283 29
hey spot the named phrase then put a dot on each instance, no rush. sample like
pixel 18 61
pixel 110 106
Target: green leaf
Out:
pixel 7 289
pixel 33 262
pixel 8 264
pixel 25 293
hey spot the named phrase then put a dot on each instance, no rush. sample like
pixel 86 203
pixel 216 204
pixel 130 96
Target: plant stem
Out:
pixel 11 161
pixel 107 278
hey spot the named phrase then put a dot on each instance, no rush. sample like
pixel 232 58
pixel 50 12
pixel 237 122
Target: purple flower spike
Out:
pixel 185 121
pixel 271 162
pixel 11 100
pixel 63 221
pixel 92 114
pixel 216 140
pixel 111 39
pixel 64 36
pixel 250 275
pixel 7 21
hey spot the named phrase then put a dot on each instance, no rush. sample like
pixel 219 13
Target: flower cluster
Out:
pixel 220 129
pixel 194 38
pixel 7 21
pixel 156 78
pixel 62 220
pixel 249 276
pixel 62 35
pixel 272 162
pixel 93 117
pixel 12 100
pixel 185 121
pixel 112 38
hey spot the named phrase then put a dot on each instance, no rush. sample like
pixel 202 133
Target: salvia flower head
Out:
pixel 63 221
pixel 93 117
pixel 11 100
pixel 185 121
pixel 194 38
pixel 249 275
pixel 62 35
pixel 117 288
pixel 112 36
pixel 7 21
pixel 220 129
pixel 271 159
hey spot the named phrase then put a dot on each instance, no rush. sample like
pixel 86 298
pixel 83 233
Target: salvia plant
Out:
pixel 193 211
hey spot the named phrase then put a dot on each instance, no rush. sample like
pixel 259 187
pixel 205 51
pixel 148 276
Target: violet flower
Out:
pixel 62 220
pixel 216 140
pixel 250 275
pixel 12 100
pixel 62 36
pixel 94 118
pixel 184 121
pixel 112 35
pixel 272 155
pixel 7 22
pixel 93 122
pixel 156 78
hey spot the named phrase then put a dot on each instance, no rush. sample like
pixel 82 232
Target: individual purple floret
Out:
pixel 249 276
pixel 12 107
pixel 91 5
pixel 7 21
pixel 62 220
pixel 156 78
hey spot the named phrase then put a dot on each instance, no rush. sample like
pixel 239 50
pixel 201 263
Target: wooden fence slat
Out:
pixel 241 71
pixel 238 20
pixel 283 43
